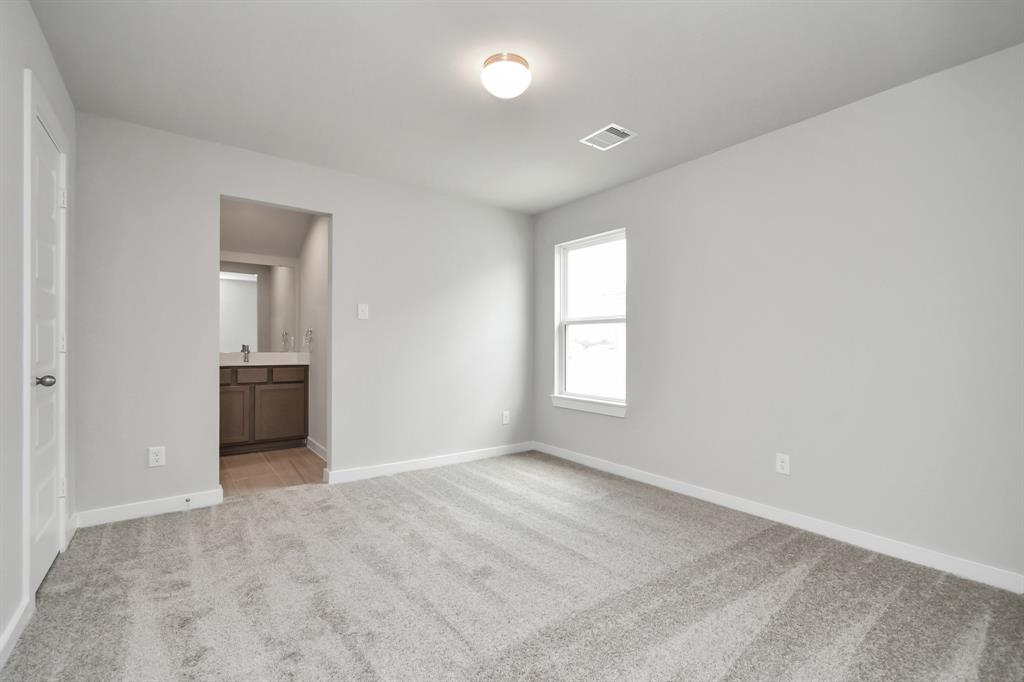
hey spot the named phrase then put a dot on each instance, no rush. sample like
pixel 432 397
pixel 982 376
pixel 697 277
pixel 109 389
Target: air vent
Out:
pixel 608 137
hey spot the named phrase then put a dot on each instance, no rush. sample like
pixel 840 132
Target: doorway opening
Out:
pixel 274 289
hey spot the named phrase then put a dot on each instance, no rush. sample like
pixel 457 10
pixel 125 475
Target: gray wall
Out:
pixel 21 46
pixel 284 306
pixel 848 290
pixel 449 283
pixel 314 279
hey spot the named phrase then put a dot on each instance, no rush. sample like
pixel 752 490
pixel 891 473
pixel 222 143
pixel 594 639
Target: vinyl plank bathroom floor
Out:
pixel 260 471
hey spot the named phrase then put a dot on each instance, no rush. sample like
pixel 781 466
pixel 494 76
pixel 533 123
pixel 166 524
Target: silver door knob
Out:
pixel 48 380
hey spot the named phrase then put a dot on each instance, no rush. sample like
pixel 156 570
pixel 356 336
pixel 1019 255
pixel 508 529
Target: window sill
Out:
pixel 605 407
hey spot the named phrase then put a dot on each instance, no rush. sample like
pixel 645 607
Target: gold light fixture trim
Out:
pixel 506 57
pixel 506 75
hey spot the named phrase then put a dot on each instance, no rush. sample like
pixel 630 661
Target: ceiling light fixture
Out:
pixel 505 75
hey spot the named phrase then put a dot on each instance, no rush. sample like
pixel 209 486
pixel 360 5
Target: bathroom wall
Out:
pixel 446 349
pixel 314 314
pixel 284 307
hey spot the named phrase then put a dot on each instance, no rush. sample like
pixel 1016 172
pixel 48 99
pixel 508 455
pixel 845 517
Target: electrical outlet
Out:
pixel 506 417
pixel 363 311
pixel 781 464
pixel 157 456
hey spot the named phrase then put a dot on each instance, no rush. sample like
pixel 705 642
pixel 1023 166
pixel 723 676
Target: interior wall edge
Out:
pixel 318 449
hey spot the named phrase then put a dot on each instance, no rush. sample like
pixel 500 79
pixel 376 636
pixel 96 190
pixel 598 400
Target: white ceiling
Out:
pixel 392 89
pixel 251 227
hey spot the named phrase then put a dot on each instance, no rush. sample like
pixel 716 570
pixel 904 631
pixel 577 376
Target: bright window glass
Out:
pixel 592 318
pixel 595 360
pixel 596 280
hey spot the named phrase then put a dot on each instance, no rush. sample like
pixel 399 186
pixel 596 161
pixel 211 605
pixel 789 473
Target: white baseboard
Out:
pixel 360 473
pixel 136 510
pixel 14 628
pixel 70 526
pixel 317 449
pixel 965 568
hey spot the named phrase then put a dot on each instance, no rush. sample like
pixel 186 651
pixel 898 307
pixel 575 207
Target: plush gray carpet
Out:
pixel 520 567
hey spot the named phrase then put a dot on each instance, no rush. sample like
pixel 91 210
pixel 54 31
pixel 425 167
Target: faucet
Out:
pixel 245 352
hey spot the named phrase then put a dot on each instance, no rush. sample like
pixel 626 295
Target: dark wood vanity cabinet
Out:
pixel 235 415
pixel 263 408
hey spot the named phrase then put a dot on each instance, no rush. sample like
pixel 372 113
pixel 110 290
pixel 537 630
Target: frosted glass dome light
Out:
pixel 505 75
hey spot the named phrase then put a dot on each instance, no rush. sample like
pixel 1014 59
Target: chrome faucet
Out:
pixel 245 352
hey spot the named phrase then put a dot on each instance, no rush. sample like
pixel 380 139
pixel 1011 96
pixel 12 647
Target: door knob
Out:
pixel 48 380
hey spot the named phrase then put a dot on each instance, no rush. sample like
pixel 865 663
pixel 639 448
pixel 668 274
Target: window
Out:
pixel 590 365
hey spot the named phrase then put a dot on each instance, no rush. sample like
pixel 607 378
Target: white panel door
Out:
pixel 44 413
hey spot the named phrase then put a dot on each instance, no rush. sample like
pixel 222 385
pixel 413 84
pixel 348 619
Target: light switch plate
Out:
pixel 363 311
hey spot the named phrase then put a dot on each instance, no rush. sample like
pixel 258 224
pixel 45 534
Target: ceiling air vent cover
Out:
pixel 608 137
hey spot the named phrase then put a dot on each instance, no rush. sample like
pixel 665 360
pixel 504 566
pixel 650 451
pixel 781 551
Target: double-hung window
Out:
pixel 590 354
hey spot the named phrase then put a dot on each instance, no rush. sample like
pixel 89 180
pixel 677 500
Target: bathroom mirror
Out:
pixel 258 307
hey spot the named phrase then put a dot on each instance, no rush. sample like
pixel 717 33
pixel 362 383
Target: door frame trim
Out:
pixel 37 106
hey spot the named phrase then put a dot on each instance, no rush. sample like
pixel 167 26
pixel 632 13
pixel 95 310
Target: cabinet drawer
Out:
pixel 252 375
pixel 225 376
pixel 283 374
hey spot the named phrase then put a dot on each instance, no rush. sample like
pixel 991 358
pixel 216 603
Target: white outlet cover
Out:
pixel 157 456
pixel 506 417
pixel 782 464
pixel 363 311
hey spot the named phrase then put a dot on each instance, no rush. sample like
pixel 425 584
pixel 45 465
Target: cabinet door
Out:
pixel 235 414
pixel 280 411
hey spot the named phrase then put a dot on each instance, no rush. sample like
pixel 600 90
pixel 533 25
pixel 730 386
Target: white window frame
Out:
pixel 561 398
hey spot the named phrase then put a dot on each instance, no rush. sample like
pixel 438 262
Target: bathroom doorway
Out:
pixel 274 287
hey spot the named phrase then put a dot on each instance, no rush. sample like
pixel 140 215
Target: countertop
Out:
pixel 263 359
